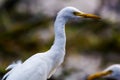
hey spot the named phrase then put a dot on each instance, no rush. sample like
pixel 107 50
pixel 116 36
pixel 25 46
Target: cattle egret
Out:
pixel 42 65
pixel 111 73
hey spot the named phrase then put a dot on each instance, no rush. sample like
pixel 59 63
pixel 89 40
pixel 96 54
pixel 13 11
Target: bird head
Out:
pixel 71 12
pixel 115 72
pixel 111 73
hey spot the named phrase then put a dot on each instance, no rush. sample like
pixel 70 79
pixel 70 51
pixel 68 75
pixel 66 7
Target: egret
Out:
pixel 42 65
pixel 111 73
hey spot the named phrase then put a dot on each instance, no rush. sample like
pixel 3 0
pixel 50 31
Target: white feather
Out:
pixel 115 72
pixel 14 64
pixel 43 65
pixel 10 67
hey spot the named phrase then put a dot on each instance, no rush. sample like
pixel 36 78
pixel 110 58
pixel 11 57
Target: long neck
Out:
pixel 60 37
pixel 57 51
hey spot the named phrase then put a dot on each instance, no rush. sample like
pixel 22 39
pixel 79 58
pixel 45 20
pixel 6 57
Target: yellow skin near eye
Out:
pixel 99 74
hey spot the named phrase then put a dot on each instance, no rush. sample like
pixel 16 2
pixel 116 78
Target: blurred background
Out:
pixel 26 28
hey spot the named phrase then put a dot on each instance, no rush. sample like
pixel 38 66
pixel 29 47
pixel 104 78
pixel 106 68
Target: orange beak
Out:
pixel 98 75
pixel 85 15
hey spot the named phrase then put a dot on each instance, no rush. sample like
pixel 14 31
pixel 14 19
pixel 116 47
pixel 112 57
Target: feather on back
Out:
pixel 10 67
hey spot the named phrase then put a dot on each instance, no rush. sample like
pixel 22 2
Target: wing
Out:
pixel 51 73
pixel 11 67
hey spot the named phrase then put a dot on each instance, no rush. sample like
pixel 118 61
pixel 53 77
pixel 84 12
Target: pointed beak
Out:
pixel 99 75
pixel 85 15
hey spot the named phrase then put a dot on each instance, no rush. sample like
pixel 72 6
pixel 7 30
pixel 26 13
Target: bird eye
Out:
pixel 75 13
pixel 110 71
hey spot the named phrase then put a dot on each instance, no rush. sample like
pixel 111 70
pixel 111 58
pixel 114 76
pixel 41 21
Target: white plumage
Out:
pixel 115 74
pixel 110 73
pixel 42 65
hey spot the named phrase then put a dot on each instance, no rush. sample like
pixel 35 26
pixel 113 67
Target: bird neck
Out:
pixel 60 36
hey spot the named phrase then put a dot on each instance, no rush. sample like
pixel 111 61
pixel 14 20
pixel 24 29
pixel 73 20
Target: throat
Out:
pixel 60 36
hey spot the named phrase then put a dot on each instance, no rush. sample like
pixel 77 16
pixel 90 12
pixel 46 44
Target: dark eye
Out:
pixel 75 13
pixel 110 71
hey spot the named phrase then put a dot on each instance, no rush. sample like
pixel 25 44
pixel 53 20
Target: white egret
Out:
pixel 111 73
pixel 42 65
